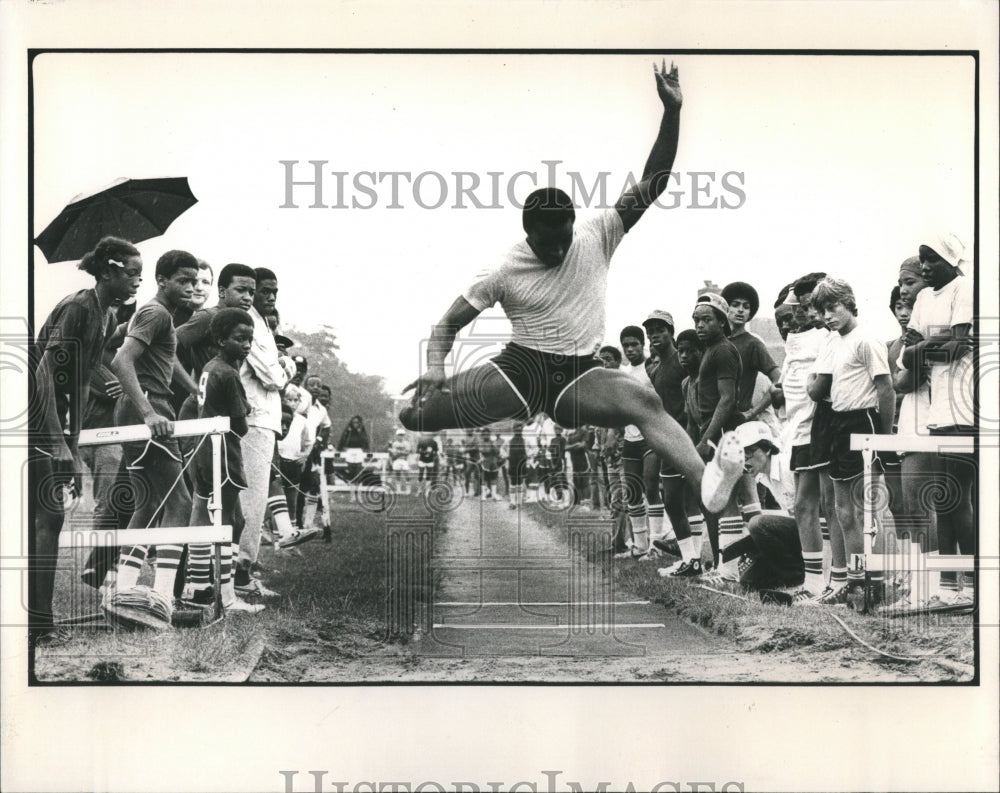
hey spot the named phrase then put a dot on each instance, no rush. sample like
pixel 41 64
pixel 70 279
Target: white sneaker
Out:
pixel 255 587
pixel 242 607
pixel 298 537
pixel 722 473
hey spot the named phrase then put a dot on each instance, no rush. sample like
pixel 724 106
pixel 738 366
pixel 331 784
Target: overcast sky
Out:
pixel 836 163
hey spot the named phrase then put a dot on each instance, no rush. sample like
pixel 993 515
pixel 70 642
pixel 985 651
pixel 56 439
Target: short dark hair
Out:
pixel 611 350
pixel 634 331
pixel 807 284
pixel 226 319
pixel 690 336
pixel 235 270
pixel 894 298
pixel 172 261
pixel 783 294
pixel 263 274
pixel 741 290
pixel 98 261
pixel 548 206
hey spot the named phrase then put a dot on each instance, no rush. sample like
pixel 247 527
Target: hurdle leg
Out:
pixel 215 509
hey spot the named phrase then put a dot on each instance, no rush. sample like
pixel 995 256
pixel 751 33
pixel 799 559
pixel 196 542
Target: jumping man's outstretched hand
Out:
pixel 425 386
pixel 668 85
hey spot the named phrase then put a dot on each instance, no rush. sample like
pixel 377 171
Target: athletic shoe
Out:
pixel 665 572
pixel 833 595
pixel 936 604
pixel 199 596
pixel 792 596
pixel 255 587
pixel 298 537
pixel 667 546
pixel 722 473
pixel 722 578
pixel 139 607
pixel 690 569
pixel 240 606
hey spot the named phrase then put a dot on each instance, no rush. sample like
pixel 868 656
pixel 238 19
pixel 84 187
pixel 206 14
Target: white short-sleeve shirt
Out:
pixel 639 374
pixel 853 361
pixel 951 384
pixel 559 310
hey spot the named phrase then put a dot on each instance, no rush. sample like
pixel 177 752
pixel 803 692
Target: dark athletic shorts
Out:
pixel 802 458
pixel 540 378
pixel 153 454
pixel 846 463
pixel 821 435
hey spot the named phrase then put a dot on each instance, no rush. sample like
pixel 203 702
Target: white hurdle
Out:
pixel 912 560
pixel 379 460
pixel 215 534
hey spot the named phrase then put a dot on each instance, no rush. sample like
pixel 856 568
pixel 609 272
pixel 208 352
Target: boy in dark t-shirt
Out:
pixel 221 393
pixel 145 365
pixel 427 460
pixel 718 376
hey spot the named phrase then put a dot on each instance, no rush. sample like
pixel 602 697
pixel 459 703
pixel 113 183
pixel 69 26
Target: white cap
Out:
pixel 949 247
pixel 753 432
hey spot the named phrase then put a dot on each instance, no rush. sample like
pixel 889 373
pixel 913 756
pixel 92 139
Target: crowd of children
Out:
pixel 793 526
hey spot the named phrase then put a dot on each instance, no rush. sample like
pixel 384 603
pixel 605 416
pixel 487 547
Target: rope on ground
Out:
pixel 954 666
pixel 721 592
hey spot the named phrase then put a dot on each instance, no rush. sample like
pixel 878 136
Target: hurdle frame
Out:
pixel 215 534
pixel 325 488
pixel 868 445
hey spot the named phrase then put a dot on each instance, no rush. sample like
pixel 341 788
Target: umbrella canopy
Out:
pixel 134 209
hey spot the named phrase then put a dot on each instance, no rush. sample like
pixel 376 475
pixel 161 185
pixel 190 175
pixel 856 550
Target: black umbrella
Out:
pixel 134 209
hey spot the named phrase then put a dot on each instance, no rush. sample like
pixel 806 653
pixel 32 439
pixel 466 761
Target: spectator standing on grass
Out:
pixel 427 460
pixel 755 361
pixel 399 461
pixel 263 376
pixel 918 523
pixel 576 445
pixel 716 390
pixel 690 349
pixel 145 365
pixel 220 393
pixel 69 346
pixel 940 337
pixel 354 436
pixel 318 427
pixel 557 463
pixel 641 465
pixel 517 460
pixel 489 457
pixel 854 371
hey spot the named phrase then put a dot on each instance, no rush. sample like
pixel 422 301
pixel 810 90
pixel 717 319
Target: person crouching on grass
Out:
pixel 221 393
pixel 854 370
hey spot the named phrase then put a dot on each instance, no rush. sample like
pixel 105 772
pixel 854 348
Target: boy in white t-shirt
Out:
pixel 854 371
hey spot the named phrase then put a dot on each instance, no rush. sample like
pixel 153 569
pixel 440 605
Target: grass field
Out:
pixel 942 641
pixel 332 603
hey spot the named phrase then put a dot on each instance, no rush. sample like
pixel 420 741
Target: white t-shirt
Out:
pixel 637 373
pixel 801 352
pixel 853 361
pixel 914 408
pixel 555 309
pixel 951 384
pixel 296 445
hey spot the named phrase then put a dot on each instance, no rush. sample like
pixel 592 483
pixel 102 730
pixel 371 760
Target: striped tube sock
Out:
pixel 168 559
pixel 813 561
pixel 748 512
pixel 279 514
pixel 824 529
pixel 129 566
pixel 697 524
pixel 655 514
pixel 730 531
pixel 199 566
pixel 640 532
pixel 838 576
pixel 687 549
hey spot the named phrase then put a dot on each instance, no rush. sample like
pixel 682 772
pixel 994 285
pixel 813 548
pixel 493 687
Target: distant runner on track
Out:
pixel 552 286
